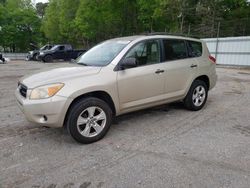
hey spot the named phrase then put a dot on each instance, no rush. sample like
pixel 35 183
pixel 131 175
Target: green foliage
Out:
pixel 20 25
pixel 51 22
pixel 40 8
pixel 85 22
pixel 90 21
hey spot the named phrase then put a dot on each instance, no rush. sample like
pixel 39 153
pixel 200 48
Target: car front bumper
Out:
pixel 28 57
pixel 47 112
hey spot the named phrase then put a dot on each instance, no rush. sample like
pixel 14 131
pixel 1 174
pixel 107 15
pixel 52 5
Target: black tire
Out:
pixel 48 58
pixel 34 57
pixel 75 112
pixel 189 102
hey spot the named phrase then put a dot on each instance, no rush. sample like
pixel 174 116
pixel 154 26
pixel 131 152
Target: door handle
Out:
pixel 193 65
pixel 158 71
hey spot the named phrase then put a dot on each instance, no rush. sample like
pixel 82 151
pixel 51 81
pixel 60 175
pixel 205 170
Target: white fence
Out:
pixel 227 51
pixel 230 50
pixel 15 56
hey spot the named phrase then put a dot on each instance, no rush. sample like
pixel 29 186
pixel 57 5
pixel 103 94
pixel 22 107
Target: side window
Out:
pixel 68 47
pixel 61 48
pixel 145 53
pixel 195 49
pixel 174 49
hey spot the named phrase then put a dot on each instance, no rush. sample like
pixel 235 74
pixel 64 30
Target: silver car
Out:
pixel 115 77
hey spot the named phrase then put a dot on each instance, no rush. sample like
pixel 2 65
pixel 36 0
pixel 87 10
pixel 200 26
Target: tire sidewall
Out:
pixel 189 101
pixel 77 109
pixel 34 56
pixel 48 58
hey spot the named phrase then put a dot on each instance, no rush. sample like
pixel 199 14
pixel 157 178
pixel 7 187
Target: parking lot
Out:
pixel 166 146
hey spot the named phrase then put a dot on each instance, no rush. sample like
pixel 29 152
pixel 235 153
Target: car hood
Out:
pixel 31 52
pixel 46 51
pixel 58 74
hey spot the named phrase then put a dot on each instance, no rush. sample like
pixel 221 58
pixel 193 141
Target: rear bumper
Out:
pixel 47 112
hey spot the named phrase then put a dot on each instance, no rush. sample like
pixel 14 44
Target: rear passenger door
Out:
pixel 180 68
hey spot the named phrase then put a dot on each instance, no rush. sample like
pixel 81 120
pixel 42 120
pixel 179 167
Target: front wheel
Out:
pixel 89 120
pixel 197 95
pixel 48 58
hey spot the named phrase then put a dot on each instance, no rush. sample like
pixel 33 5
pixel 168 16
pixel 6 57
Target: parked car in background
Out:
pixel 32 55
pixel 116 77
pixel 60 51
pixel 2 59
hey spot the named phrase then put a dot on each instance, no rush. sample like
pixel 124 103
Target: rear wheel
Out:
pixel 197 95
pixel 89 120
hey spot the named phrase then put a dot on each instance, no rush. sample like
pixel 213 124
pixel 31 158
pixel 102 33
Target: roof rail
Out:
pixel 172 34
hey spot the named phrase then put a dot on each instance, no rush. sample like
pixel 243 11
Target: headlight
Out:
pixel 45 91
pixel 41 53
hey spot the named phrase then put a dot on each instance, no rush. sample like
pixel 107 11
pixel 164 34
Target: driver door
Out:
pixel 60 53
pixel 143 84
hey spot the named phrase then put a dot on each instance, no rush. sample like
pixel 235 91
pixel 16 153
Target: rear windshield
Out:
pixel 195 49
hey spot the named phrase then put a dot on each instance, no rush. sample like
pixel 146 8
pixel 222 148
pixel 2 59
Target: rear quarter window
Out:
pixel 174 49
pixel 195 48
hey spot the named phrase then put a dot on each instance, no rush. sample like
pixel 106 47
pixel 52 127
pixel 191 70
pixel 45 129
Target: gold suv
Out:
pixel 118 76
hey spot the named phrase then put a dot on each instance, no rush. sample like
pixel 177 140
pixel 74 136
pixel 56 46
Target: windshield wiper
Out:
pixel 81 63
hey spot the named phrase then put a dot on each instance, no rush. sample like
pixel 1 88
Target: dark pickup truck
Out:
pixel 32 55
pixel 61 51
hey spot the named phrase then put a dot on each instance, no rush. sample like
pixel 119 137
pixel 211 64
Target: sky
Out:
pixel 37 1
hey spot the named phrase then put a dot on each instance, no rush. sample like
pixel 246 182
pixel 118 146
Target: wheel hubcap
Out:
pixel 91 121
pixel 199 95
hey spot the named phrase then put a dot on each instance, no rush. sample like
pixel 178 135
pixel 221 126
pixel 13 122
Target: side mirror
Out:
pixel 128 63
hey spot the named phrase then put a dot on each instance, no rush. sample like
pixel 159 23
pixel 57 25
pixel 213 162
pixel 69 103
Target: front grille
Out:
pixel 23 90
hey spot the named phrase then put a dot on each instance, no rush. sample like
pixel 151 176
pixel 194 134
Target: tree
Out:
pixel 20 25
pixel 40 8
pixel 99 20
pixel 85 22
pixel 51 22
pixel 66 23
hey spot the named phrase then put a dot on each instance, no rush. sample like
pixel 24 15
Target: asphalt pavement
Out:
pixel 166 146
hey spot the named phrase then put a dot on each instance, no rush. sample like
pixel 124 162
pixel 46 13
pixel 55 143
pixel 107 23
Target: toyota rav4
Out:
pixel 115 77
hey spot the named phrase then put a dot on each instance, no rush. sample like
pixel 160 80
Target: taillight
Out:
pixel 212 59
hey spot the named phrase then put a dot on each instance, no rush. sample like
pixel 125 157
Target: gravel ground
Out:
pixel 165 146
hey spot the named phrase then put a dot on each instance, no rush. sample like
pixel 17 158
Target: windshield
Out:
pixel 102 54
pixel 54 47
pixel 46 47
